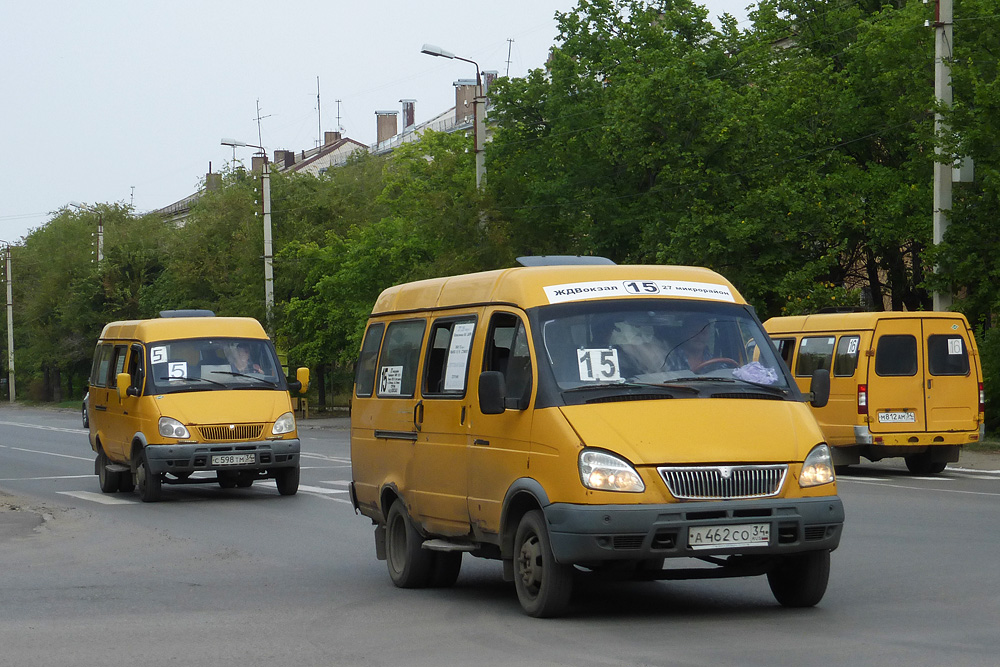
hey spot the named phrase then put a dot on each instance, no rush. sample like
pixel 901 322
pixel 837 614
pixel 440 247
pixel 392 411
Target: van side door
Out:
pixel 438 475
pixel 499 444
pixel 951 384
pixel 118 423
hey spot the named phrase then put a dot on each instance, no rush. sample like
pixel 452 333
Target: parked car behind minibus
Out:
pixel 904 384
pixel 570 417
pixel 188 393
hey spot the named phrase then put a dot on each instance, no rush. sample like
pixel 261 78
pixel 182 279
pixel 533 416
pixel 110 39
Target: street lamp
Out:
pixel 478 110
pixel 10 322
pixel 100 226
pixel 265 180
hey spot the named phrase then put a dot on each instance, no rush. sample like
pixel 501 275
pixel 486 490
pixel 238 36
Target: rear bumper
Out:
pixel 594 533
pixel 864 436
pixel 195 457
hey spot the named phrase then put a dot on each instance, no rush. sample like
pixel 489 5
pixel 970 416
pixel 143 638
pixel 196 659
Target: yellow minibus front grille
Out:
pixel 724 482
pixel 231 432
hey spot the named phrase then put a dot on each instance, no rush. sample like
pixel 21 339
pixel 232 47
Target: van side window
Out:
pixel 846 361
pixel 947 355
pixel 102 361
pixel 447 365
pixel 815 352
pixel 364 379
pixel 135 369
pixel 896 355
pixel 397 370
pixel 507 351
pixel 786 347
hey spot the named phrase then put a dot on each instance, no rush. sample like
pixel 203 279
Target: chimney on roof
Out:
pixel 409 113
pixel 465 91
pixel 331 138
pixel 284 159
pixel 386 124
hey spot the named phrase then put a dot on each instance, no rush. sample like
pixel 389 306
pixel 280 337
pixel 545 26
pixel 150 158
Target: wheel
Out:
pixel 712 364
pixel 800 580
pixel 149 484
pixel 109 480
pixel 543 585
pixel 410 566
pixel 922 464
pixel 244 480
pixel 126 482
pixel 447 565
pixel 287 480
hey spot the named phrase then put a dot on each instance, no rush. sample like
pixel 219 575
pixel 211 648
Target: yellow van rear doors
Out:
pixel 919 378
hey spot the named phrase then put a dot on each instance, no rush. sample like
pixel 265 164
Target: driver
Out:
pixel 692 348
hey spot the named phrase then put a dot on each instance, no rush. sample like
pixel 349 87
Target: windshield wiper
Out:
pixel 184 377
pixel 252 377
pixel 771 388
pixel 632 385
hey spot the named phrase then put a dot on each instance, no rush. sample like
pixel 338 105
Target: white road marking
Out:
pixel 102 498
pixel 36 451
pixel 45 428
pixel 304 487
pixel 35 479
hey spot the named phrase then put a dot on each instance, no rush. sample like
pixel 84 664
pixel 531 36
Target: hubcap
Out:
pixel 529 563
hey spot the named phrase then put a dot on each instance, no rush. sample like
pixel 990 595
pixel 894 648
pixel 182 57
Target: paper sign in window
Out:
pixel 390 380
pixel 158 354
pixel 598 364
pixel 458 356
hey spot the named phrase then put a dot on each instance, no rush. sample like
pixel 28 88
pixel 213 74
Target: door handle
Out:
pixel 418 415
pixel 480 442
pixel 929 383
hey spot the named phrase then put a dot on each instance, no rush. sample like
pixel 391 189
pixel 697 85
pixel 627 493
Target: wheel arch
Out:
pixel 138 444
pixel 524 495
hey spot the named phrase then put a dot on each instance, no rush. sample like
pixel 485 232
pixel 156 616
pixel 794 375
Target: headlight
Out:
pixel 817 468
pixel 284 424
pixel 171 428
pixel 603 471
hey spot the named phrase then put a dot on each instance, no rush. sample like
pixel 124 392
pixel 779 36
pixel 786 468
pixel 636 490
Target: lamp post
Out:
pixel 478 110
pixel 100 226
pixel 265 180
pixel 10 323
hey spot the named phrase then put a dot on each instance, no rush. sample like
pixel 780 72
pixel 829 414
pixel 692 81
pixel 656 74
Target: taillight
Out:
pixel 863 399
pixel 982 398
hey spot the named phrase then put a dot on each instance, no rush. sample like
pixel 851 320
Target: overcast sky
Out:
pixel 127 100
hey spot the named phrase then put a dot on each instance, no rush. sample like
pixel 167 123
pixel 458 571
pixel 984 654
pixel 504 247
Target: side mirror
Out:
pixel 302 376
pixel 123 382
pixel 819 387
pixel 492 390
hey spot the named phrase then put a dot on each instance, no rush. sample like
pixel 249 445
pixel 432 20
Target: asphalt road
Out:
pixel 245 576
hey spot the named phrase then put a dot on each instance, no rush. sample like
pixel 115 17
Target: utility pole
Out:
pixel 10 325
pixel 510 43
pixel 268 248
pixel 943 46
pixel 319 118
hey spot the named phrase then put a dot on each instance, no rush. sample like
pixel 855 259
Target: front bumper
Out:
pixel 593 533
pixel 268 454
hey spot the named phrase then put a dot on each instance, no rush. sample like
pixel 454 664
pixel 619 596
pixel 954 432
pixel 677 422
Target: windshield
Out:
pixel 206 364
pixel 599 343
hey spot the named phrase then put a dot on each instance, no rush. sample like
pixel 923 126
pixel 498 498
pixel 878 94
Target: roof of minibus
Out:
pixel 174 328
pixel 527 287
pixel 848 321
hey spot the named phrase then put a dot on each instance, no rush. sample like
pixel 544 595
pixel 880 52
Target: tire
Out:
pixel 108 480
pixel 543 585
pixel 800 580
pixel 227 480
pixel 149 485
pixel 245 480
pixel 446 568
pixel 922 464
pixel 126 482
pixel 410 566
pixel 287 480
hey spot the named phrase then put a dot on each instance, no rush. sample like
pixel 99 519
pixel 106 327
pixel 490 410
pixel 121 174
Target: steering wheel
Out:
pixel 712 364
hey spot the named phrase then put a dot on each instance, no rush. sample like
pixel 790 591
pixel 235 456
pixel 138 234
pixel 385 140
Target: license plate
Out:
pixel 897 417
pixel 743 535
pixel 233 459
